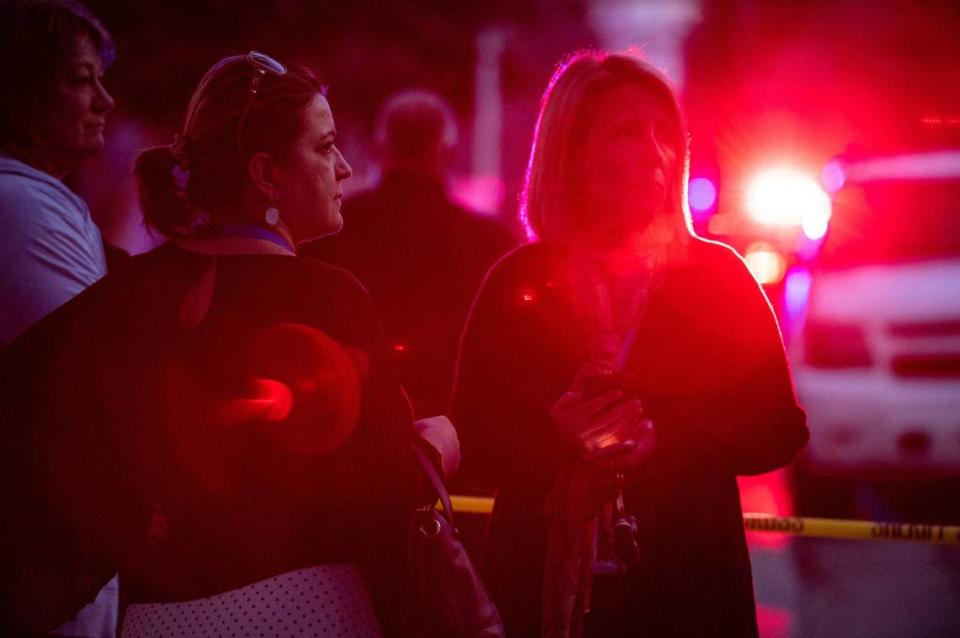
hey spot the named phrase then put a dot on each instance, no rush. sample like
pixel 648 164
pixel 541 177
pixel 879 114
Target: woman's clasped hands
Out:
pixel 602 415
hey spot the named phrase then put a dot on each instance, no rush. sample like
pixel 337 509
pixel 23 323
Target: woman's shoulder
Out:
pixel 529 261
pixel 35 199
pixel 306 276
pixel 715 262
pixel 316 269
pixel 719 278
pixel 314 284
pixel 713 251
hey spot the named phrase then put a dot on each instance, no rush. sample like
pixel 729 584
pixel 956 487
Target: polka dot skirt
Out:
pixel 326 600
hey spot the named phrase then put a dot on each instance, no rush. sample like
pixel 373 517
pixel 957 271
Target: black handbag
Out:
pixel 447 597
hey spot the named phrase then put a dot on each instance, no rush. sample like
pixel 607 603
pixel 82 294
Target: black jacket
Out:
pixel 422 258
pixel 712 375
pixel 107 412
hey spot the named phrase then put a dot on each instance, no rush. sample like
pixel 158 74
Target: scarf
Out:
pixel 608 300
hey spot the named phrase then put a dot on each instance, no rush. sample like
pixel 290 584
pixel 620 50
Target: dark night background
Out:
pixel 763 83
pixel 760 79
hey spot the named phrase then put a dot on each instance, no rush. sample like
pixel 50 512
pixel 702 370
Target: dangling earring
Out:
pixel 271 216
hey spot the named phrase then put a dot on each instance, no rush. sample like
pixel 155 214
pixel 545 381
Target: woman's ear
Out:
pixel 262 173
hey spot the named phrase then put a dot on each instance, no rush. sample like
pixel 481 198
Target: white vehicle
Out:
pixel 877 361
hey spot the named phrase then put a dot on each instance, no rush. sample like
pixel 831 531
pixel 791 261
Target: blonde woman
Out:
pixel 615 375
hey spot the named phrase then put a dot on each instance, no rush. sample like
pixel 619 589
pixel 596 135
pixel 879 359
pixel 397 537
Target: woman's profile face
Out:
pixel 309 176
pixel 626 163
pixel 69 125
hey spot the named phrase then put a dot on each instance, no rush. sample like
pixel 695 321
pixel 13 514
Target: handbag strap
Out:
pixel 433 477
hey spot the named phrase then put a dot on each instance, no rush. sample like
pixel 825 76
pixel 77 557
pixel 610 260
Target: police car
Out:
pixel 876 360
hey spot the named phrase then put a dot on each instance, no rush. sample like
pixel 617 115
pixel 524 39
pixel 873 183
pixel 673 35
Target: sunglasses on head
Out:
pixel 262 64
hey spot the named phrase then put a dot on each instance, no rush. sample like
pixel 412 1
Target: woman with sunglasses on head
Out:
pixel 614 378
pixel 246 397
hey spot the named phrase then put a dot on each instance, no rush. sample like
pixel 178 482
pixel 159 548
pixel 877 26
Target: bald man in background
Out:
pixel 421 256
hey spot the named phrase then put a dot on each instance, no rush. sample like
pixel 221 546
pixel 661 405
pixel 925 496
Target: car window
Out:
pixel 893 221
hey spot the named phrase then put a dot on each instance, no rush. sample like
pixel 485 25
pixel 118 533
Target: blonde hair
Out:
pixel 546 198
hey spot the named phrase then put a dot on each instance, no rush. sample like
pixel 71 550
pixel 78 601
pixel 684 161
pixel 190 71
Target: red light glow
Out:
pixel 310 382
pixel 480 194
pixel 833 177
pixel 766 494
pixel 702 194
pixel 936 120
pixel 274 398
pixel 268 400
pixel 290 389
pixel 766 264
pixel 774 622
pixel 785 197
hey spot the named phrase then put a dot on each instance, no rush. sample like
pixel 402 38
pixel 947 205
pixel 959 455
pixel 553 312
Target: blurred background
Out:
pixel 825 149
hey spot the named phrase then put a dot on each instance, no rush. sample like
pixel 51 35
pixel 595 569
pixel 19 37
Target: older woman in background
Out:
pixel 615 377
pixel 53 109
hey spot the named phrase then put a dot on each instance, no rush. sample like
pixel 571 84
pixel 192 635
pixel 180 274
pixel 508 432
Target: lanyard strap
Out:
pixel 236 239
pixel 216 241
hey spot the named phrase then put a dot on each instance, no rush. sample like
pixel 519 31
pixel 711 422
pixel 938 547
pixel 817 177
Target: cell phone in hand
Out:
pixel 596 385
pixel 612 448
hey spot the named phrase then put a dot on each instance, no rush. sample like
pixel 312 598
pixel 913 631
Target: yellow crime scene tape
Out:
pixel 853 530
pixel 796 526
